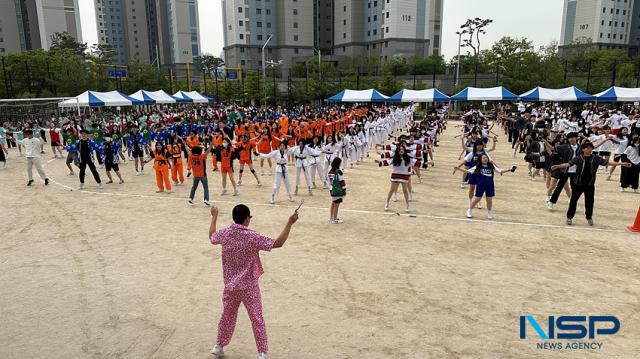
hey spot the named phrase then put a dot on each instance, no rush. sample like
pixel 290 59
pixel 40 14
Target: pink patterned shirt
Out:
pixel 241 264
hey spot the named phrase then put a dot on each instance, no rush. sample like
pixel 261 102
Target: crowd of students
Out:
pixel 567 146
pixel 319 144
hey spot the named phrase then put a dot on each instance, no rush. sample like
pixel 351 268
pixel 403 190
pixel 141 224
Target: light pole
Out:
pixel 264 65
pixel 319 63
pixel 459 33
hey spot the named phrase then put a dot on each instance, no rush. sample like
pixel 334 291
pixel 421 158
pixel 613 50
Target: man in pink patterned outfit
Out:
pixel 241 269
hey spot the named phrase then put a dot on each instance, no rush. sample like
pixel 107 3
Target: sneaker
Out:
pixel 169 192
pixel 621 189
pixel 590 221
pixel 548 199
pixel 550 205
pixel 217 351
pixel 160 191
pixel 190 201
pixel 121 182
pixel 235 192
pixel 224 191
pixel 395 198
pixel 81 186
pixel 290 199
pixel 263 356
pixel 259 184
pixel 46 181
pixel 188 174
pixel 469 213
pixel 386 207
pixel 206 203
pixel 489 215
pixel 479 206
pixel 310 192
pixel 408 209
pixel 100 185
pixel 71 173
pixel 109 182
pixel 337 221
pixel 215 170
pixel 608 176
pixel 295 193
pixel 635 191
pixel 30 183
pixel 273 200
pixel 138 173
pixel 569 221
pixel 239 182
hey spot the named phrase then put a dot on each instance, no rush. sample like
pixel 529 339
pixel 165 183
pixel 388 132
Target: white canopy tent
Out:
pixel 98 99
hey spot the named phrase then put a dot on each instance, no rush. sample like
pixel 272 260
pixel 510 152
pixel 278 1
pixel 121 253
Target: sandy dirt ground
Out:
pixel 127 273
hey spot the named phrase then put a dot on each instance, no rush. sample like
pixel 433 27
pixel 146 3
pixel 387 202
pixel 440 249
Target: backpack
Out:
pixel 336 189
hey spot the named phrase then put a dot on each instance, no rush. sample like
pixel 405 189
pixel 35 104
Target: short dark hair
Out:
pixel 587 144
pixel 196 150
pixel 240 213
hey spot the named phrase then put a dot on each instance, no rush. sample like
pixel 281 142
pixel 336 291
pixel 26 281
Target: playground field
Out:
pixel 127 273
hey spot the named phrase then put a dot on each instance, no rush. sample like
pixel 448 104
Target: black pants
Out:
pixel 577 191
pixel 629 177
pixel 98 157
pixel 513 136
pixel 564 177
pixel 92 168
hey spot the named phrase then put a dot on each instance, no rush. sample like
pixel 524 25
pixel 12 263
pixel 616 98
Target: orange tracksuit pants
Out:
pixel 162 177
pixel 177 172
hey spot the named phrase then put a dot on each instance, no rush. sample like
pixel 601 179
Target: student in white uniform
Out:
pixel 301 154
pixel 33 148
pixel 316 162
pixel 281 156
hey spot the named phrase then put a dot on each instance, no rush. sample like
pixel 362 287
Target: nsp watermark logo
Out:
pixel 575 328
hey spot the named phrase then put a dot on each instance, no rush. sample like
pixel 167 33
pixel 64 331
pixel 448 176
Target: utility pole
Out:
pixel 4 75
pixel 615 72
pixel 264 67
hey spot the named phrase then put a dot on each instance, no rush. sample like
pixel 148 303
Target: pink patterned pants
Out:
pixel 253 302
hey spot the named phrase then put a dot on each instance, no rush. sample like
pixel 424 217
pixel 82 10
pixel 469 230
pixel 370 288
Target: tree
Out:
pixel 61 41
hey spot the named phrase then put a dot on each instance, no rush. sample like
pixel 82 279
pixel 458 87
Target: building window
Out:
pixel 344 35
pixel 602 23
pixel 295 50
pixel 375 32
pixel 268 11
pixel 295 37
pixel 295 25
pixel 240 23
pixel 242 49
pixel 387 15
pixel 259 24
pixel 295 11
pixel 344 22
pixel 240 10
pixel 601 35
pixel 375 17
pixel 241 36
pixel 614 36
pixel 345 8
pixel 258 11
pixel 375 3
pixel 259 37
pixel 269 50
pixel 242 62
pixel 369 19
pixel 387 30
pixel 268 25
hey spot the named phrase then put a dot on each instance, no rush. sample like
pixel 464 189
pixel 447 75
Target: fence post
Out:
pixel 589 77
pixel 614 74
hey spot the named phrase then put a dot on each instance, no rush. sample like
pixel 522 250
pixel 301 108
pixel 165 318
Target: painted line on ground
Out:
pixel 360 211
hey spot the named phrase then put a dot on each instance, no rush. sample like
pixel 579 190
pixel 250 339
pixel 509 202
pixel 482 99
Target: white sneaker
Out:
pixel 290 199
pixel 235 192
pixel 138 173
pixel 408 209
pixel 608 176
pixel 224 191
pixel 489 215
pixel 469 213
pixel 217 351
pixel 81 186
pixel 206 203
pixel 71 173
pixel 386 207
pixel 259 184
pixel 337 221
pixel 190 201
pixel 479 206
pixel 550 205
pixel 100 185
pixel 273 200
pixel 239 182
pixel 263 356
pixel 621 189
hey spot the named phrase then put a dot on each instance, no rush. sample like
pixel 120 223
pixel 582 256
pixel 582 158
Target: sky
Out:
pixel 539 21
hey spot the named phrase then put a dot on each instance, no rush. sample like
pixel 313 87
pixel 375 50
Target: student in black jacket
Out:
pixel 584 180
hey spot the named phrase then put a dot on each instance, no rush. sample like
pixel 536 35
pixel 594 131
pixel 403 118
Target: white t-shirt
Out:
pixel 32 146
pixel 633 154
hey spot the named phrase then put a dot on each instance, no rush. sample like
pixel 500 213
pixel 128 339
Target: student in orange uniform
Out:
pixel 177 171
pixel 226 154
pixel 161 164
pixel 192 141
pixel 245 149
pixel 264 147
pixel 216 141
pixel 199 166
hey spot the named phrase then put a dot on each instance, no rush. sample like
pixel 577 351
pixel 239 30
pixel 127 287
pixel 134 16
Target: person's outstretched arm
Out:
pixel 214 219
pixel 282 238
